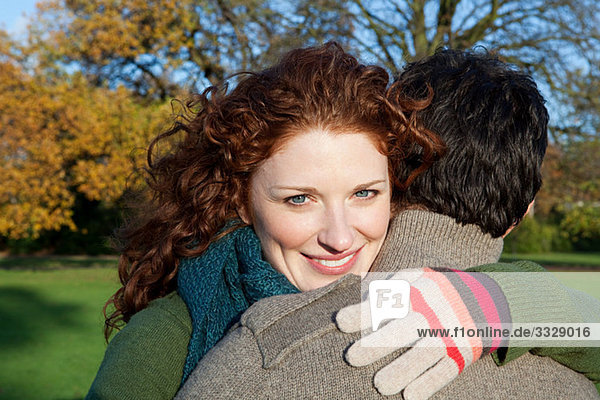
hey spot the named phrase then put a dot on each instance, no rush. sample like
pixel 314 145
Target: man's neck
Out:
pixel 418 239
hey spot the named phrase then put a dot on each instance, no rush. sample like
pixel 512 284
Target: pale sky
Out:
pixel 12 14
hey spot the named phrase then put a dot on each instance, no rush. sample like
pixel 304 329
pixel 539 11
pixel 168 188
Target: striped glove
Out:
pixel 442 300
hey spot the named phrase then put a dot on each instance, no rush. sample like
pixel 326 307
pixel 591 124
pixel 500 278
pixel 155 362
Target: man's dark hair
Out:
pixel 494 123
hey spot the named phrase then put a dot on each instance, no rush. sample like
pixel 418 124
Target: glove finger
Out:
pixel 394 377
pixel 432 381
pixel 354 318
pixel 397 334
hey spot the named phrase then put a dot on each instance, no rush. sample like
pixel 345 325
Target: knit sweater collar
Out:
pixel 418 239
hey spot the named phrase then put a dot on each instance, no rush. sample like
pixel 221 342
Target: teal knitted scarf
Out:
pixel 219 285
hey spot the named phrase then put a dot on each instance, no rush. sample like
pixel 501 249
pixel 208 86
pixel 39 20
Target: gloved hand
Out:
pixel 447 299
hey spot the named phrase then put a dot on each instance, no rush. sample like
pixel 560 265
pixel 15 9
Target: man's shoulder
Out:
pixel 282 348
pixel 271 310
pixel 282 322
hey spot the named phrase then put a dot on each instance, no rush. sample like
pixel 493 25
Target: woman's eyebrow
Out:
pixel 306 189
pixel 367 184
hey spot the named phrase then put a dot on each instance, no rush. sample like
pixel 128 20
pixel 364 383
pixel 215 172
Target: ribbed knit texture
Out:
pixel 419 239
pixel 219 285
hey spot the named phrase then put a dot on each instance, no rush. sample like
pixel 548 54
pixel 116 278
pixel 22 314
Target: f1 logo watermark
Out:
pixel 388 299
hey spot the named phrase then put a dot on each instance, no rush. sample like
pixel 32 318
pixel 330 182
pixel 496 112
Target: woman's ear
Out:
pixel 244 215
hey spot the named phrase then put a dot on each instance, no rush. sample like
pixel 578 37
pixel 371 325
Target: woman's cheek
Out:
pixel 290 229
pixel 373 221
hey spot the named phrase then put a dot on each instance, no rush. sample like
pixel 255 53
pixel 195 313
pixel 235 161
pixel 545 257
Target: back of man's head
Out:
pixel 494 123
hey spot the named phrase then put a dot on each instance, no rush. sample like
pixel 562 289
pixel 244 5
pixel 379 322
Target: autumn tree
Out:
pixel 32 196
pixel 548 37
pixel 156 47
pixel 82 100
pixel 63 137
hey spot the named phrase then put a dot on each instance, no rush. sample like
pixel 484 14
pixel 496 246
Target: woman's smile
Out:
pixel 334 265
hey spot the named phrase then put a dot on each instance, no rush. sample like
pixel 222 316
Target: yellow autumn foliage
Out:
pixel 63 136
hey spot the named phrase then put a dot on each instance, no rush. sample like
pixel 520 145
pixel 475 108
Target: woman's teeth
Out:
pixel 335 263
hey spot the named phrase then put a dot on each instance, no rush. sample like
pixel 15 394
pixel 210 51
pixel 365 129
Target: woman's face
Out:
pixel 320 206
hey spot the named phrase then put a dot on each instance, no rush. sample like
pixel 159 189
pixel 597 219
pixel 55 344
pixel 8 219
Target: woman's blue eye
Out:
pixel 299 199
pixel 362 193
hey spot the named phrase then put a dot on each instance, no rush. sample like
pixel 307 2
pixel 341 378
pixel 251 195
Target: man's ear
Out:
pixel 529 208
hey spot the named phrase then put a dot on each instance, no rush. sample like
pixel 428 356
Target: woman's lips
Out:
pixel 331 266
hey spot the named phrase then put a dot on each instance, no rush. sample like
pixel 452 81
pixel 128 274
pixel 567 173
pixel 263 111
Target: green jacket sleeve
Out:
pixel 145 359
pixel 542 298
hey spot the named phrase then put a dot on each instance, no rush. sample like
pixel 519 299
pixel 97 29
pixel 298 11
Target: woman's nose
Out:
pixel 337 234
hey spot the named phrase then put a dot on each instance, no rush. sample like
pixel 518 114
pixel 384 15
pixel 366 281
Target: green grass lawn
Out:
pixel 51 341
pixel 579 271
pixel 557 259
pixel 44 263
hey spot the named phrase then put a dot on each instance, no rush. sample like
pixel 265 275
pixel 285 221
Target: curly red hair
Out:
pixel 201 184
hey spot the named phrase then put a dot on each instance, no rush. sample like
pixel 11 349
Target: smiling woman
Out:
pixel 321 206
pixel 278 185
